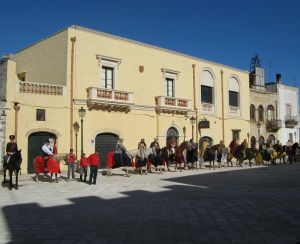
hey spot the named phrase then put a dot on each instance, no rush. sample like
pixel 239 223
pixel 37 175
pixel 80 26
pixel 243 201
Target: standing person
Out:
pixel 83 167
pixel 71 164
pixel 46 152
pixel 11 148
pixel 94 162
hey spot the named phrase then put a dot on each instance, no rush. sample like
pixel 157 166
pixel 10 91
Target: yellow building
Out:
pixel 128 89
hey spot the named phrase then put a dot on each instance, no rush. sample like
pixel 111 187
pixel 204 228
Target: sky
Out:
pixel 228 32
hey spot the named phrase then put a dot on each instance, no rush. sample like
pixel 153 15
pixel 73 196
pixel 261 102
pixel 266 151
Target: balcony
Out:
pixel 172 105
pixel 107 99
pixel 291 121
pixel 273 125
pixel 40 88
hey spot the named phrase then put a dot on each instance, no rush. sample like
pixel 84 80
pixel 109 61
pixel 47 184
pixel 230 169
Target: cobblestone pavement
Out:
pixel 232 205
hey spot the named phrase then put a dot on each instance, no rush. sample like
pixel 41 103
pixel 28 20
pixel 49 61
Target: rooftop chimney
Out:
pixel 278 78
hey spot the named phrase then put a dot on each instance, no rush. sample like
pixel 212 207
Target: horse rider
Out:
pixel 155 147
pixel 11 148
pixel 142 145
pixel 46 152
pixel 120 151
pixel 233 145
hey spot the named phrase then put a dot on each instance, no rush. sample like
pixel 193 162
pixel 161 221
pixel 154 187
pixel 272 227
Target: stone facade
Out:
pixel 260 126
pixel 70 65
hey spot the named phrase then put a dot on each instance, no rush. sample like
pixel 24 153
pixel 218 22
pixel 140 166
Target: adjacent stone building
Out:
pixel 288 107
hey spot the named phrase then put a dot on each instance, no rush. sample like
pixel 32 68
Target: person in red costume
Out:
pixel 83 167
pixel 94 162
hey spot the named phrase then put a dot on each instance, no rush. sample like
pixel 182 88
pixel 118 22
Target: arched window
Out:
pixel 207 87
pixel 260 113
pixel 234 92
pixel 252 113
pixel 270 113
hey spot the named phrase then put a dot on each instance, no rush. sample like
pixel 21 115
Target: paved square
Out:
pixel 232 205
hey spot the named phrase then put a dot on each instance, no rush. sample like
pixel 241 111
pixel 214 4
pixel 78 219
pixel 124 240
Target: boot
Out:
pixel 80 179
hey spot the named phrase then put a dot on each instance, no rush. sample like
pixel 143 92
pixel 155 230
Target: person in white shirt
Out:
pixel 46 152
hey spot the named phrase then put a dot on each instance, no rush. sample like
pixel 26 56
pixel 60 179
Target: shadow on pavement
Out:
pixel 263 209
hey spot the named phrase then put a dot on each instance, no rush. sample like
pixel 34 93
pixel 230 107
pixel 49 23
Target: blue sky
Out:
pixel 228 32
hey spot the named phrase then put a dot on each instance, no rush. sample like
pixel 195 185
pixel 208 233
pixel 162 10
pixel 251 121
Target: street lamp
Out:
pixel 258 130
pixel 81 113
pixel 76 129
pixel 184 131
pixel 193 120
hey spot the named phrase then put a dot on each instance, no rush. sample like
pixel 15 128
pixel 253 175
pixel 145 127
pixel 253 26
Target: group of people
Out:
pixel 93 161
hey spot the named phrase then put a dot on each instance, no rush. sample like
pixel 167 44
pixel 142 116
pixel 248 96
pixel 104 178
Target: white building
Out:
pixel 288 107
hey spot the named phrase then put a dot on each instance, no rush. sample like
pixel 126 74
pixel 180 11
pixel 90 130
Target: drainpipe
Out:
pixel 16 108
pixel 73 40
pixel 195 107
pixel 222 95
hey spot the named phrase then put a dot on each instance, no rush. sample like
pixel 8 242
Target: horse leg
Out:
pixel 4 175
pixel 10 178
pixel 37 177
pixel 17 176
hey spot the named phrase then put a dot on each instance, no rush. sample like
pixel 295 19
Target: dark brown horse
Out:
pixel 179 155
pixel 13 166
pixel 240 153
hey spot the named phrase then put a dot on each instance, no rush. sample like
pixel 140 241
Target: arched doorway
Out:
pixel 172 136
pixel 35 142
pixel 209 139
pixel 105 142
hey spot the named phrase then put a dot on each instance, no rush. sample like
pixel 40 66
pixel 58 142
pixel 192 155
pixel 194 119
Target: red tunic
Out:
pixel 53 165
pixel 84 162
pixel 94 159
pixel 39 164
pixel 71 158
pixel 110 159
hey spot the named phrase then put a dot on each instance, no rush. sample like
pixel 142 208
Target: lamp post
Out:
pixel 76 129
pixel 258 130
pixel 184 131
pixel 193 120
pixel 81 112
pixel 16 108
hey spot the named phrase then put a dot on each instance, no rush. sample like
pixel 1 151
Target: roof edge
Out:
pixel 77 27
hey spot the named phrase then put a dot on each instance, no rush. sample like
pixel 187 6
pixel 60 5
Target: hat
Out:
pixel 12 137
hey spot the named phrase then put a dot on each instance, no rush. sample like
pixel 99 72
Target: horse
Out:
pixel 210 155
pixel 291 152
pixel 240 153
pixel 116 160
pixel 279 153
pixel 167 156
pixel 53 165
pixel 179 155
pixel 192 156
pixel 156 158
pixel 13 166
